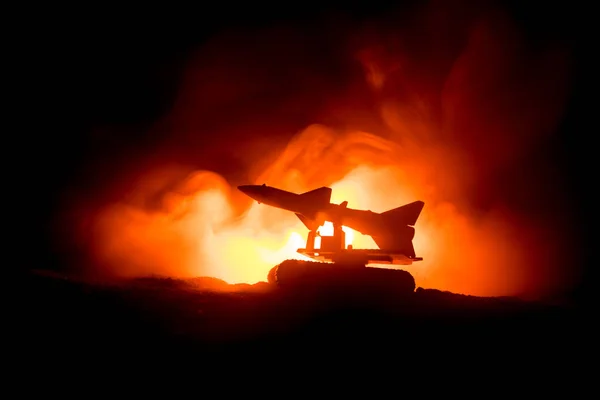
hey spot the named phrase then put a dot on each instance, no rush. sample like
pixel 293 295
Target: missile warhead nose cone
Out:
pixel 248 190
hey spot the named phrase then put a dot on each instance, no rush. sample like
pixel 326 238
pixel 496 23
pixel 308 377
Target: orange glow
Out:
pixel 327 230
pixel 199 233
pixel 438 125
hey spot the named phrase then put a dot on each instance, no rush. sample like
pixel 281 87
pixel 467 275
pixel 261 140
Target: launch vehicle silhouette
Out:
pixel 391 230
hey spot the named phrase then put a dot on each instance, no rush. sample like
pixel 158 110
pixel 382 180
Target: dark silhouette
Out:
pixel 392 231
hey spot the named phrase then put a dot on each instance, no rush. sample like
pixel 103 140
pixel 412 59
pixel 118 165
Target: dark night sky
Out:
pixel 108 70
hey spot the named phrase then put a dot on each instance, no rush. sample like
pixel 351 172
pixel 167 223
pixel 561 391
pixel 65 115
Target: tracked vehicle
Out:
pixel 338 266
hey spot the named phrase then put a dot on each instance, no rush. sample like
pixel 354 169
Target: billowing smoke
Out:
pixel 455 111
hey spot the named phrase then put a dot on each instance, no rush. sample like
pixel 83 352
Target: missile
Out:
pixel 392 229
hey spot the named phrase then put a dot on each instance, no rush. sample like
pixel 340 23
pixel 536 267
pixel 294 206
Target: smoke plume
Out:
pixel 455 110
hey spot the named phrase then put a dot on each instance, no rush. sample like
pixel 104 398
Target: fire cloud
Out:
pixel 451 116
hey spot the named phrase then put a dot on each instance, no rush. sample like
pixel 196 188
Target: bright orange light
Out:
pixel 327 230
pixel 434 145
pixel 203 230
pixel 198 233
